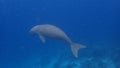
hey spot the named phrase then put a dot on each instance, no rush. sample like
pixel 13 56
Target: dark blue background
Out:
pixel 95 24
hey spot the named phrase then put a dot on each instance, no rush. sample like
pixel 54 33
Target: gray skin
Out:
pixel 51 31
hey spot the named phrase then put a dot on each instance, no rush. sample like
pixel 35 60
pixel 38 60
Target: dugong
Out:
pixel 51 31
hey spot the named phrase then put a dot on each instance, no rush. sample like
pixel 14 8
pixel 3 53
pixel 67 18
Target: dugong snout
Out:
pixel 34 30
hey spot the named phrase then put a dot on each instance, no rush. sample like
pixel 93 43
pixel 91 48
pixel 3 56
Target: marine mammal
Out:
pixel 51 31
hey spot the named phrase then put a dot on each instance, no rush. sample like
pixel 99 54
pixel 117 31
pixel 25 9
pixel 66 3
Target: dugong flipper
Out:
pixel 51 31
pixel 42 38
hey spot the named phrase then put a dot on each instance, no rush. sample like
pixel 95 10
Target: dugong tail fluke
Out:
pixel 75 48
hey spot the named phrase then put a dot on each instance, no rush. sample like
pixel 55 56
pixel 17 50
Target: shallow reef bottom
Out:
pixel 57 62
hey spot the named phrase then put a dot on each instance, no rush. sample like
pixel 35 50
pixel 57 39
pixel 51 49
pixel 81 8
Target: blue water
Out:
pixel 93 23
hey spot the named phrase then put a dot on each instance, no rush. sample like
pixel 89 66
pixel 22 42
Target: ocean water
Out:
pixel 93 23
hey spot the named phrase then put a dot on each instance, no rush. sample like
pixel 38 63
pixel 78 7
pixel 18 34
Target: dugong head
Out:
pixel 34 30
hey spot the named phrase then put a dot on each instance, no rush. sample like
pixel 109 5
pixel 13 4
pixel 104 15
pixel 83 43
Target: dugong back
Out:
pixel 51 31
